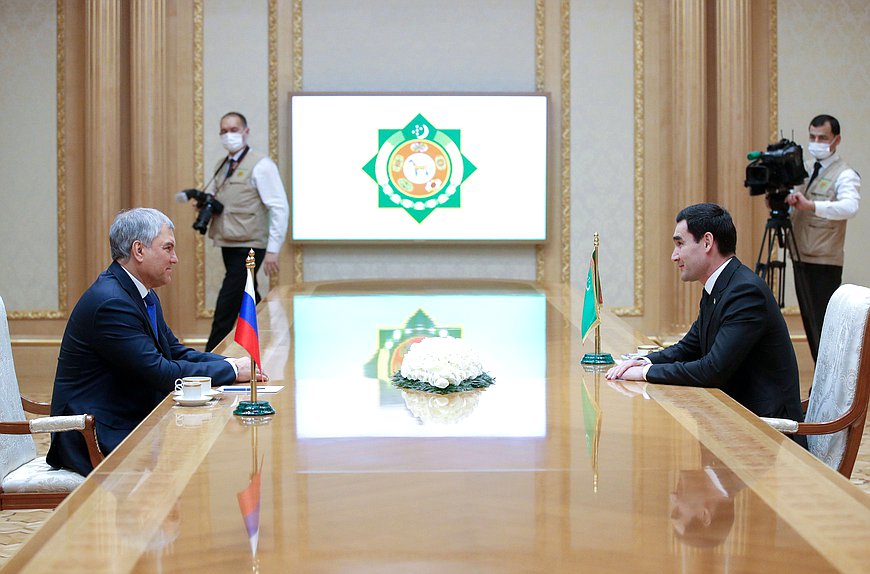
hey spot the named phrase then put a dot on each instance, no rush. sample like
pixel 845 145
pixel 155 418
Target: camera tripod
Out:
pixel 777 233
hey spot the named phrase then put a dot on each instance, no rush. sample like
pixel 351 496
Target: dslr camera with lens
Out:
pixel 205 203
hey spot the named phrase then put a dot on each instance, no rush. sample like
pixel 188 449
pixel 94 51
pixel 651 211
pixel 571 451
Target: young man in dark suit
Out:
pixel 118 358
pixel 739 342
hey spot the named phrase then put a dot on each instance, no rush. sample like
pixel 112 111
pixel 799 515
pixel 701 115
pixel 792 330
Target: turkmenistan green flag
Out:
pixel 592 300
pixel 591 423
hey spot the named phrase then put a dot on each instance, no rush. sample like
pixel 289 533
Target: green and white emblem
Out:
pixel 419 168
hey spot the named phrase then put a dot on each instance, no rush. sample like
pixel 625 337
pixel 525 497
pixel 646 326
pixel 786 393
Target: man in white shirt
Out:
pixel 255 216
pixel 820 209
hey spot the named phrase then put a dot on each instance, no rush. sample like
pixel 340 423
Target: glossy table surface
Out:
pixel 551 469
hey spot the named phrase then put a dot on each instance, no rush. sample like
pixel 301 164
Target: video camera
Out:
pixel 205 202
pixel 775 172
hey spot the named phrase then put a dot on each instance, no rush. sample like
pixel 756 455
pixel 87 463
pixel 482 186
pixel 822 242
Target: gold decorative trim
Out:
pixel 198 163
pixel 298 252
pixel 297 45
pixel 565 234
pixel 273 79
pixel 539 86
pixel 637 309
pixel 33 342
pixel 60 75
pixel 773 30
pixel 274 279
pixel 539 45
pixel 774 71
pixel 297 265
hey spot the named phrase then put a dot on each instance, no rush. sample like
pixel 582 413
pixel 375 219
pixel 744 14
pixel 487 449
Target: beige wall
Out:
pixel 28 123
pixel 661 99
pixel 824 68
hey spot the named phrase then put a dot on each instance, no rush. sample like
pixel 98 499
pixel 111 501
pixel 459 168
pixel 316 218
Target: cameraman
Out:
pixel 255 216
pixel 820 209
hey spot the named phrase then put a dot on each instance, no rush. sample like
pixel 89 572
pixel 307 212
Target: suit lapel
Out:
pixel 128 285
pixel 711 318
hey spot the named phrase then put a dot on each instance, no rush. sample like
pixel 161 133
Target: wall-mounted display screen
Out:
pixel 416 167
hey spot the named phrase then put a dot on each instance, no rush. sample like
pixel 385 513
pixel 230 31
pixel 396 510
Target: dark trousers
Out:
pixel 814 285
pixel 229 300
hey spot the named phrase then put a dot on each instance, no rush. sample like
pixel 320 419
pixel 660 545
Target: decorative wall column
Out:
pixel 552 258
pixel 734 117
pixel 689 153
pixel 147 103
pixel 102 128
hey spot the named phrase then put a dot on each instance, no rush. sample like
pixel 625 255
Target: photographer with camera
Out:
pixel 821 207
pixel 247 206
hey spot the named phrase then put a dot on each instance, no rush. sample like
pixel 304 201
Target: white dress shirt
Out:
pixel 847 186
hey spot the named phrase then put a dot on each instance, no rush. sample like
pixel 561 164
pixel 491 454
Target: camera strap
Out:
pixel 233 163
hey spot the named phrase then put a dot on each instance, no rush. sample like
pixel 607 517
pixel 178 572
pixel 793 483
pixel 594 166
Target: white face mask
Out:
pixel 233 141
pixel 819 150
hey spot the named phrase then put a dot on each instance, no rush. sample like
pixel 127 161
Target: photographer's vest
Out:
pixel 820 240
pixel 245 220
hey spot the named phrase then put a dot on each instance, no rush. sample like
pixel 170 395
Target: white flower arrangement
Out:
pixel 442 365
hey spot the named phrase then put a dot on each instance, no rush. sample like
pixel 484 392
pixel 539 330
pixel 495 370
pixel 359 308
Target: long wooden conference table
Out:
pixel 550 470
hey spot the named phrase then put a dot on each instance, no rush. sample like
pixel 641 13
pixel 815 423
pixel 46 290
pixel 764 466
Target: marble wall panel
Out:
pixel 602 145
pixel 28 98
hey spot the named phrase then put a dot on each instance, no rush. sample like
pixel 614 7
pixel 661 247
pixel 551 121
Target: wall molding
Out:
pixel 60 312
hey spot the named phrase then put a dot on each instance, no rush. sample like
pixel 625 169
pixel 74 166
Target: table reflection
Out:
pixel 343 365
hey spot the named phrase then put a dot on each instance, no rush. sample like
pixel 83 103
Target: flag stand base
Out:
pixel 597 359
pixel 254 409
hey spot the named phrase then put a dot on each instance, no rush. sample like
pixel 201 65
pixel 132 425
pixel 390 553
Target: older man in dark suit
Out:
pixel 118 358
pixel 739 342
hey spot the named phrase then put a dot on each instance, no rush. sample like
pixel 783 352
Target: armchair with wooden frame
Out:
pixel 26 480
pixel 837 407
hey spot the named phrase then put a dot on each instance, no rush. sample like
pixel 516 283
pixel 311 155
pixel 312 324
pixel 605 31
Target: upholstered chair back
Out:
pixel 836 377
pixel 15 450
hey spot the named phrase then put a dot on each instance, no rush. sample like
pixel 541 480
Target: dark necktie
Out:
pixel 816 167
pixel 151 307
pixel 231 167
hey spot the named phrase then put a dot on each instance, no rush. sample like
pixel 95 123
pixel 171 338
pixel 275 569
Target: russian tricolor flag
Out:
pixel 249 504
pixel 246 329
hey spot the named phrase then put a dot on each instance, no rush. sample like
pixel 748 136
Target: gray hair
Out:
pixel 141 223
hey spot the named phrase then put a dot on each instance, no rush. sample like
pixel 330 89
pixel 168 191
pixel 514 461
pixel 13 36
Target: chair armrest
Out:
pixel 17 427
pixel 786 426
pixel 84 424
pixel 35 407
pixel 57 424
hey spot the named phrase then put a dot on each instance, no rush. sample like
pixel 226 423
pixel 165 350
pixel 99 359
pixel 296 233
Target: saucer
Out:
pixel 191 402
pixel 207 394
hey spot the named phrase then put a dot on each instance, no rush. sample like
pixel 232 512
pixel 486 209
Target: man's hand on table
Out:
pixel 244 367
pixel 628 370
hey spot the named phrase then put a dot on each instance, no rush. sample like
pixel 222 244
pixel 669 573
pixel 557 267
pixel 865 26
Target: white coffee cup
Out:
pixel 193 388
pixel 644 350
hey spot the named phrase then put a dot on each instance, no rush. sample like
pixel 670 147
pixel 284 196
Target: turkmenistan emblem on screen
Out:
pixel 419 168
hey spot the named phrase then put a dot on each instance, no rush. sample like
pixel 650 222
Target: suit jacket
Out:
pixel 743 348
pixel 112 365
